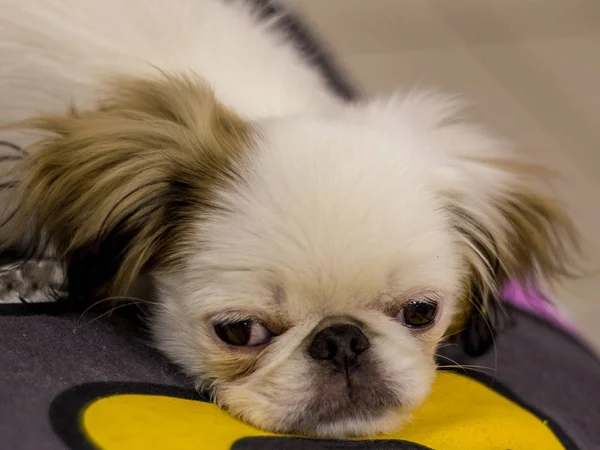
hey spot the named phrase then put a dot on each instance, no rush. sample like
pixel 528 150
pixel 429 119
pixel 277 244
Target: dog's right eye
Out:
pixel 419 313
pixel 247 333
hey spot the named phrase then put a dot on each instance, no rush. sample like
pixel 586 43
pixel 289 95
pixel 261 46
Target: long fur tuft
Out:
pixel 115 187
pixel 522 234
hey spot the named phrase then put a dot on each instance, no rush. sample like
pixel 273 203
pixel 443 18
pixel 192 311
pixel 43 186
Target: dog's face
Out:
pixel 314 297
pixel 307 268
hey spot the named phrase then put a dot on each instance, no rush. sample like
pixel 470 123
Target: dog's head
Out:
pixel 306 267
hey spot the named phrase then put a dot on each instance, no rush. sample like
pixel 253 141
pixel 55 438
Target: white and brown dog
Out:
pixel 308 253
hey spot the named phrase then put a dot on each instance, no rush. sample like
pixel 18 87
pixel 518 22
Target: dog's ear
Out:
pixel 510 230
pixel 115 190
pixel 508 226
pixel 504 221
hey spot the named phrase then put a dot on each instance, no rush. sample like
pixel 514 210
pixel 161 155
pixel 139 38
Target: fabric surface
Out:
pixel 41 355
pixel 460 414
pixel 532 300
pixel 53 365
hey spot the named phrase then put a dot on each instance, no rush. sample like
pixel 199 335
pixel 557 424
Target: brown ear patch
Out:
pixel 116 189
pixel 523 234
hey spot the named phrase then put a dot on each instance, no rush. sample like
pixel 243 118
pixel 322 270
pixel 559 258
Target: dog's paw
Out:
pixel 30 281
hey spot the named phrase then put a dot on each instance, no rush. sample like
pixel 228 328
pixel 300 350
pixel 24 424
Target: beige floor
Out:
pixel 532 66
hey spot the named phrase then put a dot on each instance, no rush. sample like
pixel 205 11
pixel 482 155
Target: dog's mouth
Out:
pixel 355 398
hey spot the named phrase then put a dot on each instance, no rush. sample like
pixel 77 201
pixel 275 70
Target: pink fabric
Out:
pixel 533 301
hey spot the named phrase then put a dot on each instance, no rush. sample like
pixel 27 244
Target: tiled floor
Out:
pixel 532 66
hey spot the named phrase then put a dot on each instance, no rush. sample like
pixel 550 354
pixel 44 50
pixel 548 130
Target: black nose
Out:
pixel 341 344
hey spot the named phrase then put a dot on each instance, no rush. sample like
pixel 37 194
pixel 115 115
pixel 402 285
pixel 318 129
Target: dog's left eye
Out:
pixel 418 313
pixel 247 333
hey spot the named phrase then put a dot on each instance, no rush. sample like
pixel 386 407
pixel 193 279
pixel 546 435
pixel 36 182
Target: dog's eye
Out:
pixel 247 333
pixel 418 313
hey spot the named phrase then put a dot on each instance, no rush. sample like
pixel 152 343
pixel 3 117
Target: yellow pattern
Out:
pixel 460 414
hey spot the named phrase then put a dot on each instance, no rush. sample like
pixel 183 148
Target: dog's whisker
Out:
pixel 458 365
pixel 104 314
pixel 129 299
pixel 467 368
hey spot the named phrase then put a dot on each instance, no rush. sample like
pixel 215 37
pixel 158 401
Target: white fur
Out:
pixel 340 205
pixel 336 213
pixel 54 52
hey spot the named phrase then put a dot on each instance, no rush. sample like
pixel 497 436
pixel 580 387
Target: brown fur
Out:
pixel 530 238
pixel 230 365
pixel 121 184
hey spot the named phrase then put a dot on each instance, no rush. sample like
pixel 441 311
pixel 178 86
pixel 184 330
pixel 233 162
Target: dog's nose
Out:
pixel 341 344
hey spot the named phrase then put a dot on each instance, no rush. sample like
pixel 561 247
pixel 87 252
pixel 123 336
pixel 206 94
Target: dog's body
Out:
pixel 309 254
pixel 58 52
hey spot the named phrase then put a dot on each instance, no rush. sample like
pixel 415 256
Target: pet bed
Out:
pixel 88 380
pixel 83 381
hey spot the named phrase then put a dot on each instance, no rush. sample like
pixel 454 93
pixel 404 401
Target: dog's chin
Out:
pixel 359 426
pixel 343 419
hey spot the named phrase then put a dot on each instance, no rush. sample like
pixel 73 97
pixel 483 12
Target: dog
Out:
pixel 308 253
